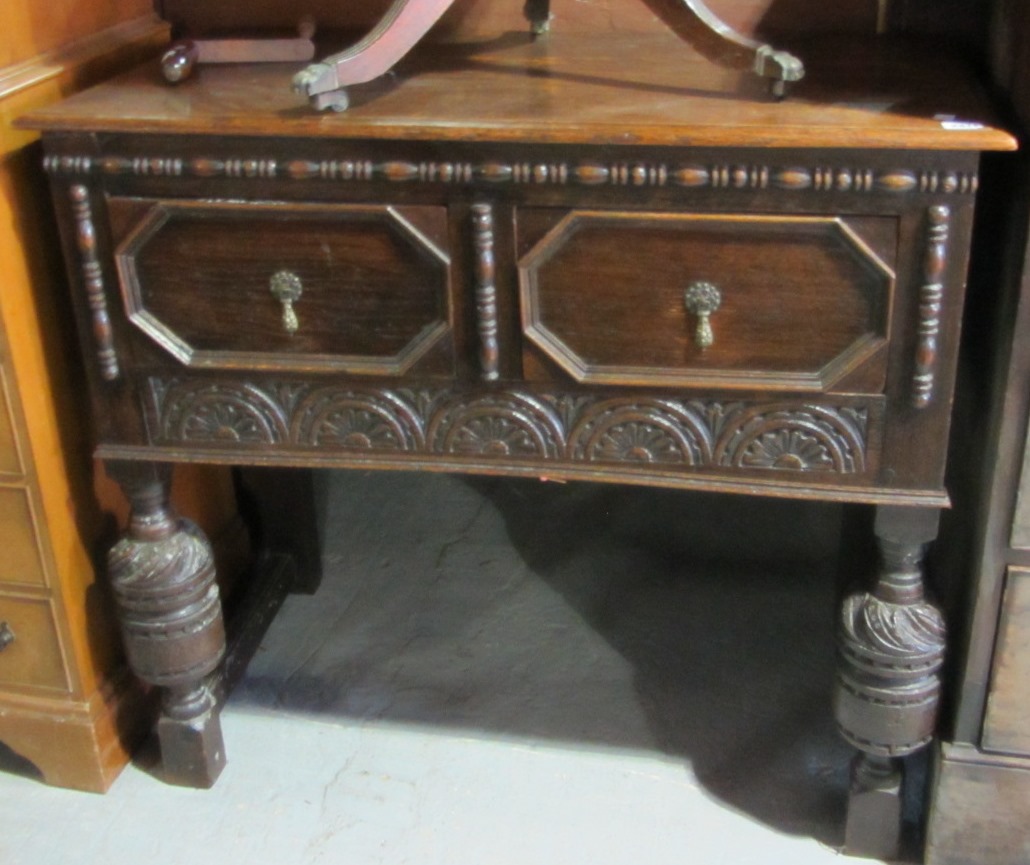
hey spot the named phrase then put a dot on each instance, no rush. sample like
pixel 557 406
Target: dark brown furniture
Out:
pixel 406 22
pixel 980 803
pixel 574 258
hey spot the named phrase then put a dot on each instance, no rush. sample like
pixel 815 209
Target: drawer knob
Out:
pixel 6 635
pixel 286 287
pixel 703 299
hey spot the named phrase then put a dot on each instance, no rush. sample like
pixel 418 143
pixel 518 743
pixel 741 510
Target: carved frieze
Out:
pixel 68 164
pixel 808 438
pixel 503 424
pixel 642 430
pixel 221 412
pixel 775 437
pixel 815 178
pixel 142 167
pixel 356 420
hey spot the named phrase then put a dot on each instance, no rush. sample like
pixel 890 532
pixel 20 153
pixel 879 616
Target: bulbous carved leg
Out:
pixel 891 644
pixel 163 576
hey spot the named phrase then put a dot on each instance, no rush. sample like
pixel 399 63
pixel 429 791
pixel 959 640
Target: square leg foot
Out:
pixel 873 825
pixel 192 752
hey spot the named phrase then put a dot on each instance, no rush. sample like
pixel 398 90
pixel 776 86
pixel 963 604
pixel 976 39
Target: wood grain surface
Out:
pixel 606 89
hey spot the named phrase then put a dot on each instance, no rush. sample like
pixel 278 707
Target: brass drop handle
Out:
pixel 6 635
pixel 703 299
pixel 287 288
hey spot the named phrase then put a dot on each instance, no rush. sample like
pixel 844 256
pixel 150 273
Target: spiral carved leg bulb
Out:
pixel 891 644
pixel 163 576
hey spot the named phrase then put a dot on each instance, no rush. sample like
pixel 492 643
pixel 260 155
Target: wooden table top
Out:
pixel 614 89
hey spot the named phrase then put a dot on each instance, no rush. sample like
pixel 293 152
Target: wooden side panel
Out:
pixel 980 810
pixel 28 29
pixel 1020 538
pixel 1006 726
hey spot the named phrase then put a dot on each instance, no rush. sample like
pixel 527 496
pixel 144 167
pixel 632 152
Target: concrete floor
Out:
pixel 501 671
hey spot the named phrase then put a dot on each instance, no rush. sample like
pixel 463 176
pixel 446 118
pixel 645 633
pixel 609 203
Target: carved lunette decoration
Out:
pixel 93 280
pixel 563 428
pixel 486 290
pixel 935 260
pixel 541 173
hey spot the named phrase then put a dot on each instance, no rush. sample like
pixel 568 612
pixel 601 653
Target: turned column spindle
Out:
pixel 162 573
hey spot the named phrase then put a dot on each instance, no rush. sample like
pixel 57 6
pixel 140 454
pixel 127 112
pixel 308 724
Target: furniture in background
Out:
pixel 68 702
pixel 980 807
pixel 537 267
pixel 406 22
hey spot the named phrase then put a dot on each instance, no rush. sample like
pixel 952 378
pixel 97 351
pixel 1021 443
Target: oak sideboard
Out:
pixel 598 258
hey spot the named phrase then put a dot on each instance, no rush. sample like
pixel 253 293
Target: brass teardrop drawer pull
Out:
pixel 287 288
pixel 6 635
pixel 703 299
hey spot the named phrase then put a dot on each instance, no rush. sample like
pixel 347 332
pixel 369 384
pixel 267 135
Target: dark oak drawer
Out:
pixel 796 303
pixel 357 289
pixel 31 653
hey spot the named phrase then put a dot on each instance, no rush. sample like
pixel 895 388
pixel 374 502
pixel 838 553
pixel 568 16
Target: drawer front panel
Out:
pixel 762 302
pixel 1008 703
pixel 10 461
pixel 31 655
pixel 357 289
pixel 20 563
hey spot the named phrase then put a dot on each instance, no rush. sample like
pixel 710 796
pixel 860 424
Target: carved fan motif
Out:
pixel 814 439
pixel 640 431
pixel 505 424
pixel 356 428
pixel 356 420
pixel 787 449
pixel 493 435
pixel 639 442
pixel 218 412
